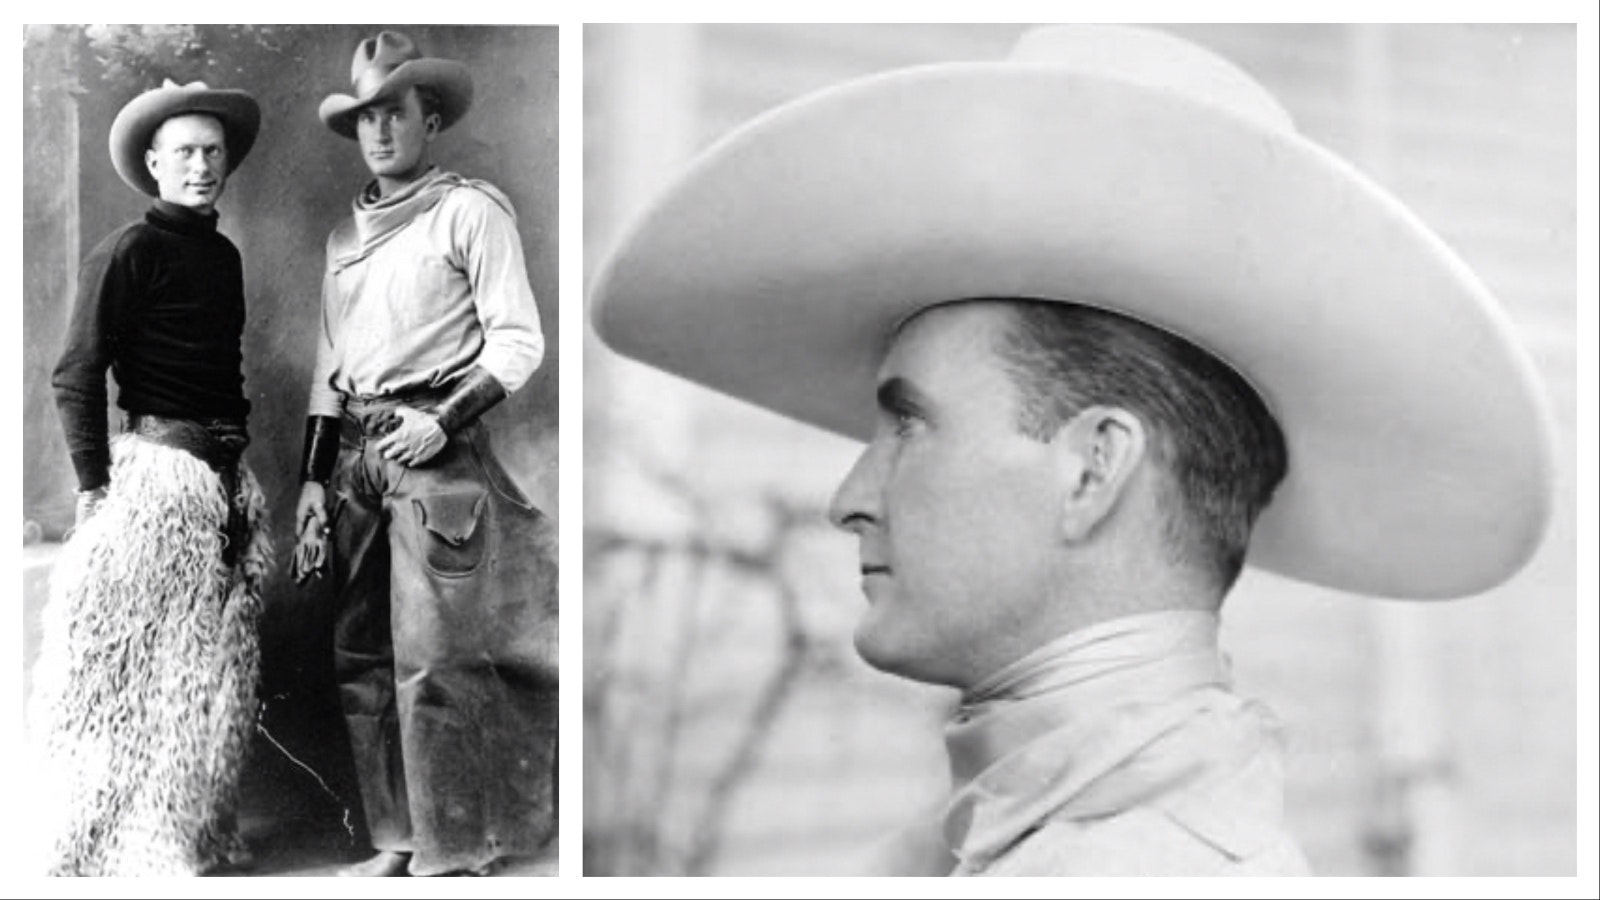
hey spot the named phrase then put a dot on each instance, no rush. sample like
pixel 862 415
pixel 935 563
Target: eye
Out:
pixel 905 422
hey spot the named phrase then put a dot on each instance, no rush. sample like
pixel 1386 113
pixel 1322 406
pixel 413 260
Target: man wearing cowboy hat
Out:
pixel 1119 333
pixel 445 646
pixel 148 667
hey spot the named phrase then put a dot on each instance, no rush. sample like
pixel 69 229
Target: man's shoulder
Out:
pixel 477 197
pixel 124 238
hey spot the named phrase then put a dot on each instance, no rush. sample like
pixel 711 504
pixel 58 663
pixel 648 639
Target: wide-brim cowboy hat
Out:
pixel 1130 170
pixel 384 68
pixel 137 122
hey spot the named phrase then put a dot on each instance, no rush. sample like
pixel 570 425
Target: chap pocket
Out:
pixel 453 537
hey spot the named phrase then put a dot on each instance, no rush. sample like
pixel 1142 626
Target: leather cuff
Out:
pixel 321 449
pixel 471 398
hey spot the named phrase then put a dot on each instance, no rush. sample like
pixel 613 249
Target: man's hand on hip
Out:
pixel 417 439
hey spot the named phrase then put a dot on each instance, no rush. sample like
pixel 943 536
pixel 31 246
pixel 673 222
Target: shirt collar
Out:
pixel 1077 728
pixel 180 219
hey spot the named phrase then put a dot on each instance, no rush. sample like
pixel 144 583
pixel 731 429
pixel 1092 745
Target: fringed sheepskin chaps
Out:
pixel 144 695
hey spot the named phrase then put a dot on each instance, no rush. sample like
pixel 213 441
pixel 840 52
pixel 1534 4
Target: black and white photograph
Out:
pixel 290 450
pixel 1082 450
pixel 1113 448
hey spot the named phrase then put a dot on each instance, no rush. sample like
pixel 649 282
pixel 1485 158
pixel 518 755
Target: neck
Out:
pixel 1088 592
pixel 186 219
pixel 178 209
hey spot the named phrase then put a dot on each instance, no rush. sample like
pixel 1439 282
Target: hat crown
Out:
pixel 1153 60
pixel 377 57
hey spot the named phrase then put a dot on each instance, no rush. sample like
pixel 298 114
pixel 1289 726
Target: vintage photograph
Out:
pixel 1080 450
pixel 290 431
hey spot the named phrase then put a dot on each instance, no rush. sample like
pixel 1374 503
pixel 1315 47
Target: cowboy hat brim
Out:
pixel 451 79
pixel 136 124
pixel 777 268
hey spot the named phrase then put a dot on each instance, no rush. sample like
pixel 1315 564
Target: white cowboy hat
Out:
pixel 136 124
pixel 1127 169
pixel 384 67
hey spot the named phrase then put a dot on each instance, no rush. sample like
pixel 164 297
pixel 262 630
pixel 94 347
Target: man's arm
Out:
pixel 318 454
pixel 105 283
pixel 485 240
pixel 491 253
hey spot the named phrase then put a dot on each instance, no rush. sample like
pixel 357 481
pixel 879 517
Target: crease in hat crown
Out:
pixel 1153 60
pixel 377 57
pixel 385 66
pixel 137 122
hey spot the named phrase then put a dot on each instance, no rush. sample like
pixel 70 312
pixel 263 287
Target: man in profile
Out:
pixel 1110 329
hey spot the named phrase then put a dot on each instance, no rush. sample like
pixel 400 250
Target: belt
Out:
pixel 216 442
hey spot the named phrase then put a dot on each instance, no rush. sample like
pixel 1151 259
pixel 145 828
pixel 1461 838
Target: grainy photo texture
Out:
pixel 290 435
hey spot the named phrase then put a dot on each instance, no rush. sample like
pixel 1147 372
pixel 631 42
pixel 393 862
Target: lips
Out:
pixel 868 569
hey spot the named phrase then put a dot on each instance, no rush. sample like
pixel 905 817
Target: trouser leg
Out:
pixel 473 587
pixel 363 652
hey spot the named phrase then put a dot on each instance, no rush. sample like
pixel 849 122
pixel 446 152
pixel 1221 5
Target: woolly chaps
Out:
pixel 144 697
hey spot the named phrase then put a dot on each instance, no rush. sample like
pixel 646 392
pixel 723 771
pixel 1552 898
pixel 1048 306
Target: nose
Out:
pixel 858 502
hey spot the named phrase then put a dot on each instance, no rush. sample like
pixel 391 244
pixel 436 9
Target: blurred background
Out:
pixel 300 800
pixel 729 727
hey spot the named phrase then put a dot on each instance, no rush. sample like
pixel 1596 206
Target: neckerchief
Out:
pixel 1089 725
pixel 376 220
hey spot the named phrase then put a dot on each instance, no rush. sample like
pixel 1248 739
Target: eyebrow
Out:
pixel 897 395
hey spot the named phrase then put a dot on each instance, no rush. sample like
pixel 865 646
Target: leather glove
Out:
pixel 311 522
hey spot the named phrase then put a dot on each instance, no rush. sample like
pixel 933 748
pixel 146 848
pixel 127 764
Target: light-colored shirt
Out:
pixel 420 286
pixel 1116 750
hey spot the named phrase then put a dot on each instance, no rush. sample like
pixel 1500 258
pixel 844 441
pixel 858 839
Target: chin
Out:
pixel 883 652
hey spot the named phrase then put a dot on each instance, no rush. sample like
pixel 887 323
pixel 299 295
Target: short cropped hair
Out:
pixel 1209 430
pixel 428 99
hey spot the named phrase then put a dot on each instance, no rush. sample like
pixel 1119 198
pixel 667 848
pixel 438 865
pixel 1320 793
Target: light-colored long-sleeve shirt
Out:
pixel 421 286
pixel 1116 750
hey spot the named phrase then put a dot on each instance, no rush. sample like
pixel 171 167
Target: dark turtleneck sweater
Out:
pixel 161 304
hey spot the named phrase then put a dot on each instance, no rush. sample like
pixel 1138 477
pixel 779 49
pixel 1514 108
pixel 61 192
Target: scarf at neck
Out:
pixel 376 220
pixel 1087 726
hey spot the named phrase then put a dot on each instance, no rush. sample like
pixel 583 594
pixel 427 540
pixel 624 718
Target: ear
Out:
pixel 1097 451
pixel 150 161
pixel 432 125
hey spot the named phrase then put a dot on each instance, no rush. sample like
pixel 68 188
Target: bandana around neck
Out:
pixel 376 220
pixel 1079 728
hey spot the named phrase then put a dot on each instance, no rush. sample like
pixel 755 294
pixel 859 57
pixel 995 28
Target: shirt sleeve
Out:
pixel 324 400
pixel 105 283
pixel 488 245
